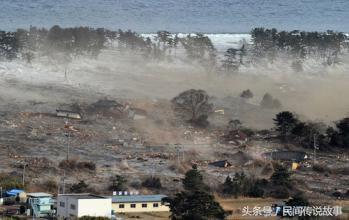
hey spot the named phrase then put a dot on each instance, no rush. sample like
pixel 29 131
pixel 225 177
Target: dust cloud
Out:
pixel 317 93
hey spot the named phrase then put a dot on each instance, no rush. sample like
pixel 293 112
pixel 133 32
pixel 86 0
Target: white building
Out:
pixel 139 203
pixel 78 205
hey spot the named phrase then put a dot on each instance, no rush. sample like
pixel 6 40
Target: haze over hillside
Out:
pixel 316 93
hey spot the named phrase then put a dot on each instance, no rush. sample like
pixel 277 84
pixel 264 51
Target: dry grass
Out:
pixel 179 168
pixel 146 216
pixel 236 206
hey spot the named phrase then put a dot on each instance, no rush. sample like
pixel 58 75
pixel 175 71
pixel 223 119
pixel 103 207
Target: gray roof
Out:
pixel 83 196
pixel 137 198
pixel 297 156
pixel 39 194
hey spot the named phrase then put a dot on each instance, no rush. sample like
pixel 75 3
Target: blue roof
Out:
pixel 14 192
pixel 137 198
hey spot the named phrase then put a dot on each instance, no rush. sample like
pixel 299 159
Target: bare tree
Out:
pixel 192 105
pixel 246 94
pixel 234 124
pixel 269 102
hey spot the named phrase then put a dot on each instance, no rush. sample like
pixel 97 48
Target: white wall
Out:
pixel 95 207
pixel 90 207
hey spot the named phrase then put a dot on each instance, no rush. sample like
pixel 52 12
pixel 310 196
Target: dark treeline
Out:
pixel 297 46
pixel 310 134
pixel 71 41
pixel 89 41
pixel 267 45
pixel 326 46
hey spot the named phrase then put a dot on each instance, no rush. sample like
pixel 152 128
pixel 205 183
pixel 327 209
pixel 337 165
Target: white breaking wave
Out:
pixel 220 41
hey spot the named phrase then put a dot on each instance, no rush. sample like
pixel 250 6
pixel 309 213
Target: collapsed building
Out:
pixel 221 163
pixel 292 158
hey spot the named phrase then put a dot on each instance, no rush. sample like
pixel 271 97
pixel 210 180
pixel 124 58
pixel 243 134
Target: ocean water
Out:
pixel 186 16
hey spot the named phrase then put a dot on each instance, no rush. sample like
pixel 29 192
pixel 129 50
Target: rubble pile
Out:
pixel 235 137
pixel 106 108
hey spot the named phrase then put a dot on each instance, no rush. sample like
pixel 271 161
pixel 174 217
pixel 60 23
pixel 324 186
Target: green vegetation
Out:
pixel 237 186
pixel 241 185
pixel 80 187
pixel 73 165
pixel 285 122
pixel 291 129
pixel 325 46
pixel 152 182
pixel 50 186
pixel 63 44
pixel 118 183
pixel 195 202
pixel 199 48
pixel 269 102
pixel 279 185
pixel 256 189
pixel 8 45
pixel 246 94
pixel 9 182
pixel 339 136
pixel 194 181
pixel 298 200
pixel 281 176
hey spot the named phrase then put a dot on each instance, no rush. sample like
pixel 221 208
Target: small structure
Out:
pixel 14 195
pixel 78 205
pixel 40 204
pixel 294 166
pixel 139 203
pixel 291 159
pixel 293 156
pixel 137 113
pixel 221 163
pixel 14 192
pixel 68 114
pixel 219 111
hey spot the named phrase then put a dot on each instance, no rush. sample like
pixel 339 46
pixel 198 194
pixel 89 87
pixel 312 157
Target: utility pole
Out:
pixel 183 159
pixel 68 145
pixel 67 126
pixel 314 149
pixel 178 148
pixel 23 174
pixel 63 183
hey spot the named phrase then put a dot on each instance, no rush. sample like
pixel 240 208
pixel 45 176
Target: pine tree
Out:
pixel 195 202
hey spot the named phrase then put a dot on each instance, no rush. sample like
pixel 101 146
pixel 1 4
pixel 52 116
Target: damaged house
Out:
pixel 221 163
pixel 292 158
